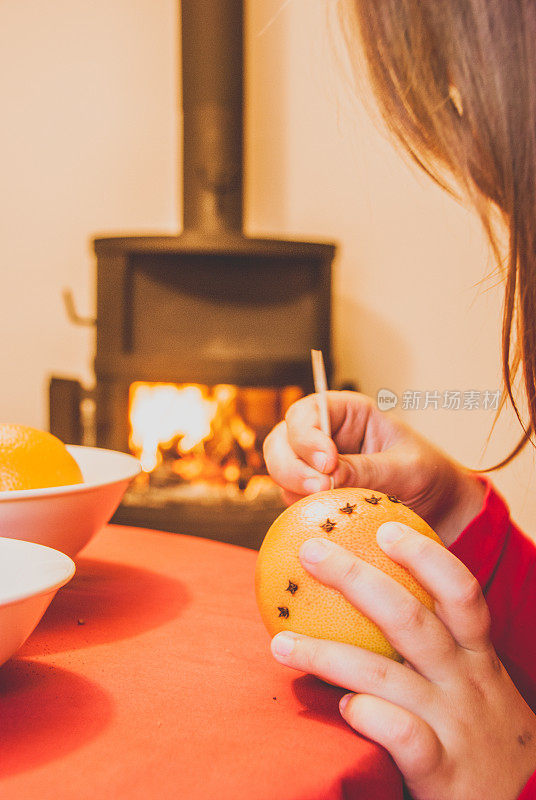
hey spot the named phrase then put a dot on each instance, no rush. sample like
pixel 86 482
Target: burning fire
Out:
pixel 163 412
pixel 190 433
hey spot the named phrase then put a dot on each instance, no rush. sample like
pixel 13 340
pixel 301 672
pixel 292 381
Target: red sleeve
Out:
pixel 504 561
pixel 529 792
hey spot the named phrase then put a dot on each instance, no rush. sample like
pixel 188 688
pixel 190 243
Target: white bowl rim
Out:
pixel 134 468
pixel 43 588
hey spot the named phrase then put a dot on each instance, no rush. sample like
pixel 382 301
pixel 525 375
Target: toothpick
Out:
pixel 321 388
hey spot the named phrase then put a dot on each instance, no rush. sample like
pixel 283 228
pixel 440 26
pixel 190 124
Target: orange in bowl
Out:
pixel 64 516
pixel 34 459
pixel 289 598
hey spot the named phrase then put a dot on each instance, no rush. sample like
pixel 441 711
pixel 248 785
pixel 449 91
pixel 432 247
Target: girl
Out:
pixel 455 81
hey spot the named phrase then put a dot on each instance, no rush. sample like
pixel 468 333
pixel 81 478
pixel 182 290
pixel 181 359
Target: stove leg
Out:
pixel 65 419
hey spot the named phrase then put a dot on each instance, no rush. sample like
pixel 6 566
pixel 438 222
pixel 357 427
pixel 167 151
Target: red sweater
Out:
pixel 504 562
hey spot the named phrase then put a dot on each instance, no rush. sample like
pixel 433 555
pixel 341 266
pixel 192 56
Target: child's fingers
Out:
pixel 411 628
pixel 411 741
pixel 306 438
pixel 354 668
pixel 459 599
pixel 290 497
pixel 289 471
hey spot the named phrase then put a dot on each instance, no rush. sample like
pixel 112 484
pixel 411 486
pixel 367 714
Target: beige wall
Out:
pixel 88 144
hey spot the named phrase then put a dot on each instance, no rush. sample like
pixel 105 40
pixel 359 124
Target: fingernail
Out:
pixel 312 485
pixel 389 533
pixel 343 702
pixel 314 550
pixel 320 461
pixel 282 644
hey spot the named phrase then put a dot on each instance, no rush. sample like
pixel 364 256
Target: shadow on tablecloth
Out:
pixel 320 701
pixel 106 602
pixel 45 713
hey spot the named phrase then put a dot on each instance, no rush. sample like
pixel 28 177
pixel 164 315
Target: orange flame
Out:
pixel 194 433
pixel 161 413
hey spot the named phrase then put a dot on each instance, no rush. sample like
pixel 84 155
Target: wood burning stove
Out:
pixel 210 314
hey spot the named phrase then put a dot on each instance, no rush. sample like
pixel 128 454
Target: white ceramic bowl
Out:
pixel 66 517
pixel 30 576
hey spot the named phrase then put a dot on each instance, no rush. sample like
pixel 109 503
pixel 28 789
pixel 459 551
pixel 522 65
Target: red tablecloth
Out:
pixel 150 677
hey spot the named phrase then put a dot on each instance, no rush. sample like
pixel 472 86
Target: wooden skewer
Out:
pixel 321 388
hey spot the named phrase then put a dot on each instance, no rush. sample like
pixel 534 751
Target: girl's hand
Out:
pixel 372 450
pixel 450 716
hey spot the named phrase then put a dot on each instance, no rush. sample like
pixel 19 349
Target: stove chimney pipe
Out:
pixel 212 104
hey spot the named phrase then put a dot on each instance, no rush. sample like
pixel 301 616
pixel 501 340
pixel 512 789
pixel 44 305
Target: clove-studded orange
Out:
pixel 288 596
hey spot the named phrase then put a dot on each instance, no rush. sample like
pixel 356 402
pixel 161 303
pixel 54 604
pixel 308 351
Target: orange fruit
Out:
pixel 33 459
pixel 288 596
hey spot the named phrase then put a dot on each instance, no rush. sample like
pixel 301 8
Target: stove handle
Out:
pixel 72 314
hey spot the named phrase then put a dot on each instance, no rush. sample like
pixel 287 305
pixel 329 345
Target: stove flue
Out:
pixel 212 115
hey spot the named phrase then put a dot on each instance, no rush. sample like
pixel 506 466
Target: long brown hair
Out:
pixel 455 82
